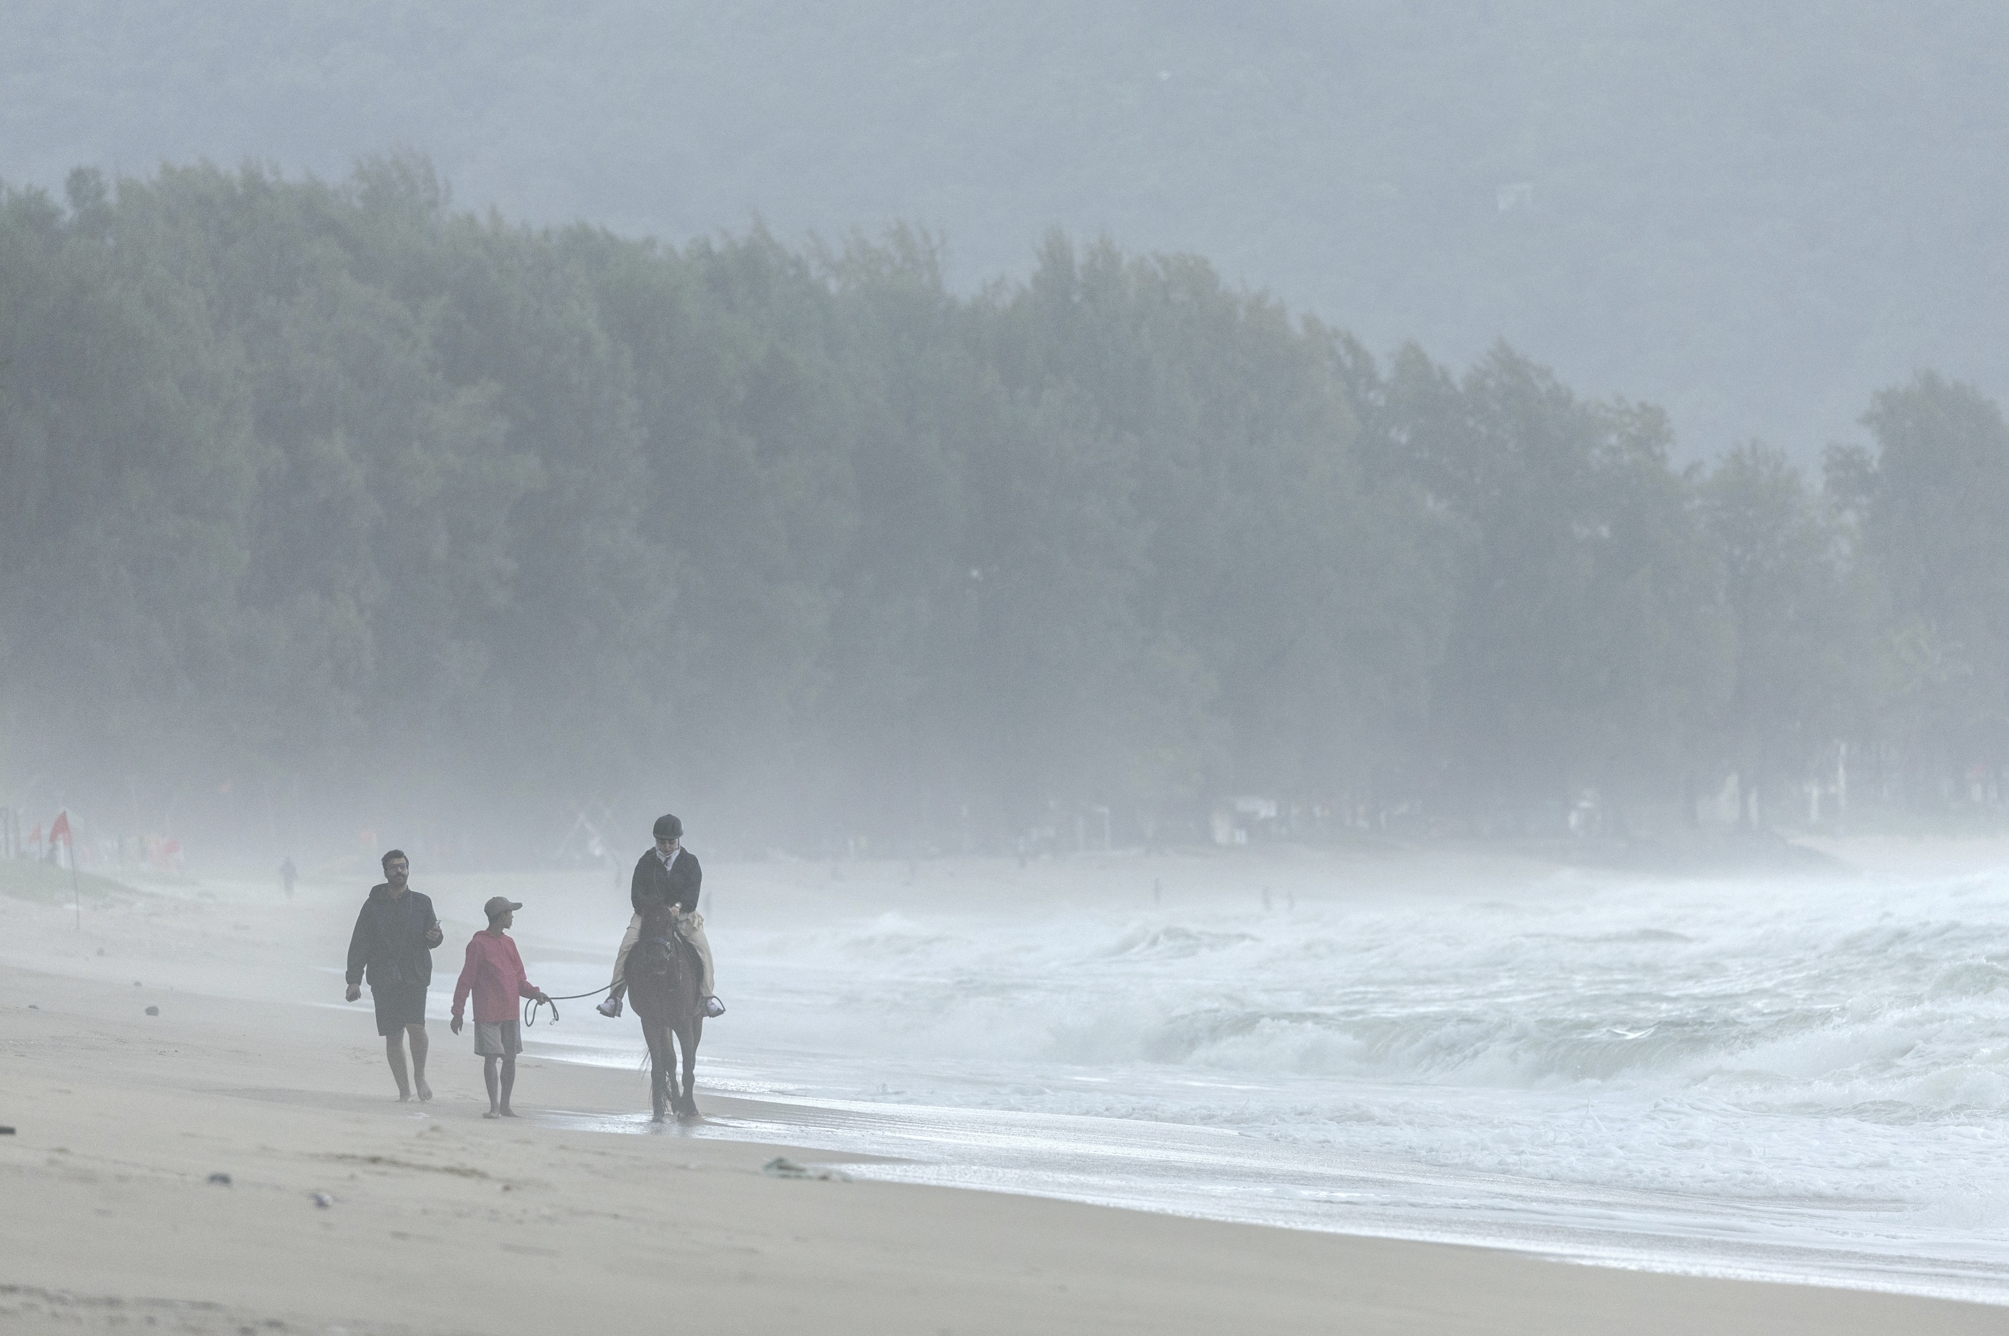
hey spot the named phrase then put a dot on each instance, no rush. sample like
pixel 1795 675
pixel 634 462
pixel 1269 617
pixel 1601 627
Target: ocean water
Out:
pixel 1800 1078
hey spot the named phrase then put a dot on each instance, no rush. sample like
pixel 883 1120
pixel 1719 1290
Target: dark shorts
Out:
pixel 398 1005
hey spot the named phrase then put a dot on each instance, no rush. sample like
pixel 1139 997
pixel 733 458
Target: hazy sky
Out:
pixel 1755 214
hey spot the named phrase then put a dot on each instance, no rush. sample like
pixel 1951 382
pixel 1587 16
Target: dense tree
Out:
pixel 1804 663
pixel 1587 644
pixel 327 504
pixel 1930 501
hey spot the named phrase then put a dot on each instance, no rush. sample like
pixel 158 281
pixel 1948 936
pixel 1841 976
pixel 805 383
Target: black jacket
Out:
pixel 653 883
pixel 390 938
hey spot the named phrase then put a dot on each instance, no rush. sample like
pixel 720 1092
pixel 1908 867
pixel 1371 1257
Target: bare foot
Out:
pixel 491 1114
pixel 425 1091
pixel 404 1097
pixel 508 1112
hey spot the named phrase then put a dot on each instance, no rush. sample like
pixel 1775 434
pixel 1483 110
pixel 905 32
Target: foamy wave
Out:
pixel 1805 1048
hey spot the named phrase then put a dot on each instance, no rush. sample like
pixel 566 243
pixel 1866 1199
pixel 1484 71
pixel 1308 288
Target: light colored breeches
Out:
pixel 691 925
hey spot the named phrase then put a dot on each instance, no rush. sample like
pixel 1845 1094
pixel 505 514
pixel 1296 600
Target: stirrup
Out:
pixel 610 1008
pixel 713 1008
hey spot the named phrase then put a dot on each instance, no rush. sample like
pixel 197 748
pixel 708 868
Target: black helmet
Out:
pixel 669 828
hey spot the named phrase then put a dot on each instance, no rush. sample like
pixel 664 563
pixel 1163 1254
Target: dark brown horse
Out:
pixel 662 978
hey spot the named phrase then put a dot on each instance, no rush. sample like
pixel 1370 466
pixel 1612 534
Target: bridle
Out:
pixel 531 1004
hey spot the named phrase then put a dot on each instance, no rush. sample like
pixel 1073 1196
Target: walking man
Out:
pixel 494 974
pixel 393 941
pixel 668 873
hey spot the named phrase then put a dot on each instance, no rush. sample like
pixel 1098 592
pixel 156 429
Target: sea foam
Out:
pixel 1784 1077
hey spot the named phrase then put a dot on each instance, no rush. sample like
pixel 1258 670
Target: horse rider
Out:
pixel 668 873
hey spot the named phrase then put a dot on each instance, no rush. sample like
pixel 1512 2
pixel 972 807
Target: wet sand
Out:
pixel 442 1222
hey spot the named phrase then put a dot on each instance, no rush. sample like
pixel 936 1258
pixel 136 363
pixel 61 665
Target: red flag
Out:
pixel 60 828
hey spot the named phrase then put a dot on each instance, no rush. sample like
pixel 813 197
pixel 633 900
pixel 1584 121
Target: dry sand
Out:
pixel 443 1222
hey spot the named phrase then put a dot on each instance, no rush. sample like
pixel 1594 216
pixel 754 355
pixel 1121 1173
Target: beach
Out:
pixel 577 1217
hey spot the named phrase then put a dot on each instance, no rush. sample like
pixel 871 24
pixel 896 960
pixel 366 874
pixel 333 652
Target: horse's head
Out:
pixel 658 918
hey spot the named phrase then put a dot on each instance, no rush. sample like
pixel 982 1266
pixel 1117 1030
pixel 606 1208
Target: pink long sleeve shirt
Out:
pixel 494 974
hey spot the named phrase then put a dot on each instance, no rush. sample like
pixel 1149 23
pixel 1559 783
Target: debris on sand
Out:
pixel 6 1131
pixel 221 1180
pixel 783 1167
pixel 323 1200
pixel 153 1011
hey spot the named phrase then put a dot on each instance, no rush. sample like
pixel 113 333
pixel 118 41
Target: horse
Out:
pixel 662 975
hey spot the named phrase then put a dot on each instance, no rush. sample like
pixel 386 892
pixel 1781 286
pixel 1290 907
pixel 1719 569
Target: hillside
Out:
pixel 1743 213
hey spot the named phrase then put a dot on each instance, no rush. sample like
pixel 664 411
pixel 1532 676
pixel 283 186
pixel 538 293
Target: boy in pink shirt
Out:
pixel 494 974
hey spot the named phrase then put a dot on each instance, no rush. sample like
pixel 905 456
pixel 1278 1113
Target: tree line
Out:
pixel 331 501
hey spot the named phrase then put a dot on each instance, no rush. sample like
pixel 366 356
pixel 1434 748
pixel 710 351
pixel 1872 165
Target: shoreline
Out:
pixel 443 1222
pixel 1254 1183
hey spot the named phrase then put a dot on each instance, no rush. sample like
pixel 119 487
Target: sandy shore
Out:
pixel 443 1222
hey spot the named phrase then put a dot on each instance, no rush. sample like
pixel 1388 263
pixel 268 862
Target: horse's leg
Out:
pixel 676 1039
pixel 658 1064
pixel 666 1081
pixel 692 1036
pixel 676 1081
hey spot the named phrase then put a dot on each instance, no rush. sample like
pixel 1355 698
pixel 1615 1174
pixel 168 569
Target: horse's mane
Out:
pixel 659 924
pixel 659 919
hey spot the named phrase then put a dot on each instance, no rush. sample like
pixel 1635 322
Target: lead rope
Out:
pixel 531 1004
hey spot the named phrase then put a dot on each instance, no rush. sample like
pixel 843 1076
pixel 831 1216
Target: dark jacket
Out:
pixel 653 883
pixel 390 938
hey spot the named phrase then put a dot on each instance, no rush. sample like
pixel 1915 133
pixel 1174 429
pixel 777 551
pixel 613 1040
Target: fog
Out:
pixel 1398 422
pixel 1744 214
pixel 1350 617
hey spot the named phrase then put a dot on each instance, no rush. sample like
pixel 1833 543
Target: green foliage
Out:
pixel 1588 642
pixel 331 497
pixel 332 492
pixel 1805 664
pixel 1930 503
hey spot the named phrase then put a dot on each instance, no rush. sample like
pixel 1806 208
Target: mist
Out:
pixel 1386 620
pixel 1416 413
pixel 336 511
pixel 1747 216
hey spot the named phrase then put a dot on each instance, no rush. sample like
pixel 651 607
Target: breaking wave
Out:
pixel 1834 1057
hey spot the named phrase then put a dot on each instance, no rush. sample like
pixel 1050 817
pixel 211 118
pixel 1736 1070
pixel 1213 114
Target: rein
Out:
pixel 531 1004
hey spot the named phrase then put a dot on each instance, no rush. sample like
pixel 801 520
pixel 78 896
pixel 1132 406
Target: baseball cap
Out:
pixel 499 905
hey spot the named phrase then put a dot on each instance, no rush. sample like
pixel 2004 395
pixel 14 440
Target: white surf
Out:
pixel 1787 1078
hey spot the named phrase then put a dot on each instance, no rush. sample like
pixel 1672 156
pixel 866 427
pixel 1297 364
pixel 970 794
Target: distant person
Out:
pixel 494 974
pixel 288 874
pixel 668 873
pixel 396 931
